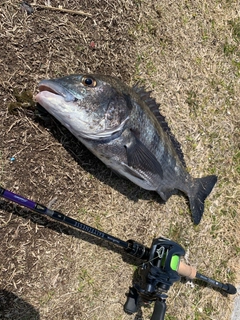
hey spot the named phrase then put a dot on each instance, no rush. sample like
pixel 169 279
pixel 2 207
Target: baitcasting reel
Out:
pixel 157 275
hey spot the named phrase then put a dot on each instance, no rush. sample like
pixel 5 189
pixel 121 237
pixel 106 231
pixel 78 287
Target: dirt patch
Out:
pixel 188 54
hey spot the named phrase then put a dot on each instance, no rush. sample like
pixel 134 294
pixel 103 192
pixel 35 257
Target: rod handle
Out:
pixel 191 272
pixel 186 270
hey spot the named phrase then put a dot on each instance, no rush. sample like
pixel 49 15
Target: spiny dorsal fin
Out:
pixel 154 107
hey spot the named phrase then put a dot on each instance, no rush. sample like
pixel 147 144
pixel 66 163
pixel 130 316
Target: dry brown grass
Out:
pixel 188 53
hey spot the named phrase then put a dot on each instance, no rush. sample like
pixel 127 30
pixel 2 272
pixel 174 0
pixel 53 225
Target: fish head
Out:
pixel 90 106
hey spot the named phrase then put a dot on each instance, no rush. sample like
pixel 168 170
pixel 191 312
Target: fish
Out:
pixel 123 127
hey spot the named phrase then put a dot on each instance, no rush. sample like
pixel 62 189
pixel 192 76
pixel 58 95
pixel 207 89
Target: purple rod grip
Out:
pixel 18 199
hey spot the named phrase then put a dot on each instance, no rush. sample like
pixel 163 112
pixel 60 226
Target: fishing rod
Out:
pixel 162 266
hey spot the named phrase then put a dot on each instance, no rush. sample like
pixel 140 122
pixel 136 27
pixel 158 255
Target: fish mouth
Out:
pixel 56 88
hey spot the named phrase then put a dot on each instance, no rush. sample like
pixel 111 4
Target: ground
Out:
pixel 187 53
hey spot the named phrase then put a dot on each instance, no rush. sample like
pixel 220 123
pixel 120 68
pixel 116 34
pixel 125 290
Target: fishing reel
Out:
pixel 156 277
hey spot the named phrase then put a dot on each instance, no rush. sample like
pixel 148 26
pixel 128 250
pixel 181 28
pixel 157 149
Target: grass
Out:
pixel 236 161
pixel 188 54
pixel 235 25
pixel 196 98
pixel 1 167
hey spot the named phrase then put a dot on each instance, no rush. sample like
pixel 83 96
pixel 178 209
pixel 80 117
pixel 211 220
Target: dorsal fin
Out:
pixel 154 107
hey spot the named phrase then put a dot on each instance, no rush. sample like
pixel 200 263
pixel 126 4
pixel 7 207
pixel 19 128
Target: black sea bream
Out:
pixel 122 126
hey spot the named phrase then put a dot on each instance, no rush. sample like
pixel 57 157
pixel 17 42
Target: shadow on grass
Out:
pixel 13 307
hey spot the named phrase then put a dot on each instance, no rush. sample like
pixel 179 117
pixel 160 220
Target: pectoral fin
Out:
pixel 141 159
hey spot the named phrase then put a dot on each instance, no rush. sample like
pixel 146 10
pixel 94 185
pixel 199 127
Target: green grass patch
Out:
pixel 84 279
pixel 235 25
pixel 236 161
pixel 47 297
pixel 229 49
pixel 170 317
pixel 236 65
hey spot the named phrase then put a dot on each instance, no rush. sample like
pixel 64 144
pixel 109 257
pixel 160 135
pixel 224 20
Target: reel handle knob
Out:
pixel 159 310
pixel 130 306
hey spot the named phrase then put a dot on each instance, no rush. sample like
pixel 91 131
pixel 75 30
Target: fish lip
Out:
pixel 51 86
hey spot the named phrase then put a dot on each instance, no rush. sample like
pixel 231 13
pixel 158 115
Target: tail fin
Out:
pixel 201 189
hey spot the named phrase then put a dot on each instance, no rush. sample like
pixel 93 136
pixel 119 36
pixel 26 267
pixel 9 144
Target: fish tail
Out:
pixel 201 189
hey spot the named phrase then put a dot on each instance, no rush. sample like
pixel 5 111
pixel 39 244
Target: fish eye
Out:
pixel 89 82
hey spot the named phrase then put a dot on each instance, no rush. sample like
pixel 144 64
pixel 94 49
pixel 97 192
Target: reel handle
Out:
pixel 159 310
pixel 130 306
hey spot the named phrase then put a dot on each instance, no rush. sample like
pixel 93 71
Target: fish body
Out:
pixel 122 126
